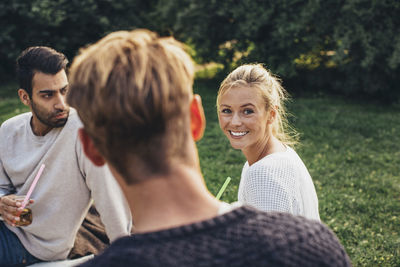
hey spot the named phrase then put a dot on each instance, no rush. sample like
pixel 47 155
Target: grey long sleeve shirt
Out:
pixel 65 190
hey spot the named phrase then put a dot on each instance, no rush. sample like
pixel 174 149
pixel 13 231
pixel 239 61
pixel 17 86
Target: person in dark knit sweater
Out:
pixel 133 93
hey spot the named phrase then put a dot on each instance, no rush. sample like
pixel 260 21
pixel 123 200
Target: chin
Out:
pixel 236 146
pixel 60 123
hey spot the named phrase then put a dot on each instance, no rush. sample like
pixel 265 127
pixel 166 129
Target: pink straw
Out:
pixel 26 199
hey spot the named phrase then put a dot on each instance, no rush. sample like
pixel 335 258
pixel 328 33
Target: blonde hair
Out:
pixel 256 77
pixel 132 91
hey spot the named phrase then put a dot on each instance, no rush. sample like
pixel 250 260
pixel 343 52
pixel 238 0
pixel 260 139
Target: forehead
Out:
pixel 242 95
pixel 46 81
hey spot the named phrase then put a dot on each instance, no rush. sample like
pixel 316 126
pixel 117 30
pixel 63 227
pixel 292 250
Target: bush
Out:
pixel 353 44
pixel 348 46
pixel 65 25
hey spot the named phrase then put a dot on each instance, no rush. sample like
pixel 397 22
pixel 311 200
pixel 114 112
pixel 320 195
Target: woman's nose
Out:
pixel 236 120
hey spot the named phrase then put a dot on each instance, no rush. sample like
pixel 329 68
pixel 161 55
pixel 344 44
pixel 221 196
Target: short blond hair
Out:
pixel 256 77
pixel 132 91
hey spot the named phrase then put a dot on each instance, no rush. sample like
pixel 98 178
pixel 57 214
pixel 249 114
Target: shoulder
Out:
pixel 70 129
pixel 293 225
pixel 73 120
pixel 289 237
pixel 15 124
pixel 283 164
pixel 273 167
pixel 122 252
pixel 15 121
pixel 288 158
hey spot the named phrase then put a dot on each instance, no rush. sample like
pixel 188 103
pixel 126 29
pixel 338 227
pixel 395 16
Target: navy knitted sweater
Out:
pixel 242 237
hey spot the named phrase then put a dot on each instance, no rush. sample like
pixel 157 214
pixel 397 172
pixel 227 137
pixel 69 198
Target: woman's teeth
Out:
pixel 238 133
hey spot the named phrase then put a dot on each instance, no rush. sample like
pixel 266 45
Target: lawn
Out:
pixel 351 149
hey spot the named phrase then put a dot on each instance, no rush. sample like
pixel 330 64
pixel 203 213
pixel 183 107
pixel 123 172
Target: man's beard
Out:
pixel 47 118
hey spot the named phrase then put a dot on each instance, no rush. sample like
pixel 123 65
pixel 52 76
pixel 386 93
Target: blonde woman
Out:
pixel 251 114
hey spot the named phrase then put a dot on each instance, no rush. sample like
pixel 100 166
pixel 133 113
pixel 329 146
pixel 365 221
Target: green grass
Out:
pixel 10 105
pixel 352 151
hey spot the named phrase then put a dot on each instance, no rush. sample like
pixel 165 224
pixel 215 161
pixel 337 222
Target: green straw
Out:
pixel 221 191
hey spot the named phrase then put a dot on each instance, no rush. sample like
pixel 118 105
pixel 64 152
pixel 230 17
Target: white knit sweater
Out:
pixel 279 182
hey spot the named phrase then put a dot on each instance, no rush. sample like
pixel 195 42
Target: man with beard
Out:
pixel 49 135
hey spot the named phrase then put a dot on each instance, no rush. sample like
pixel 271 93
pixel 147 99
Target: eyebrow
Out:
pixel 47 91
pixel 244 105
pixel 248 104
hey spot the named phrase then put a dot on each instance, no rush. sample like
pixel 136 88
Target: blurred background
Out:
pixel 339 59
pixel 347 47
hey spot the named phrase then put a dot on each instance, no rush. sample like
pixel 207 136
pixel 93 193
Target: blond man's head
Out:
pixel 132 91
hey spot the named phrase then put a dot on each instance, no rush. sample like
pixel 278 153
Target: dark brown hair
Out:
pixel 38 59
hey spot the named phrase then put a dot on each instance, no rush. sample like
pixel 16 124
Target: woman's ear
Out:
pixel 271 115
pixel 197 118
pixel 90 150
pixel 24 97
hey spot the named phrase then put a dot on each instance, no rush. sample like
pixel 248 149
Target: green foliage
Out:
pixel 199 22
pixel 65 25
pixel 10 105
pixel 352 151
pixel 368 45
pixel 350 46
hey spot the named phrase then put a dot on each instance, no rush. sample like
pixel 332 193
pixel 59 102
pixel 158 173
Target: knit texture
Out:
pixel 279 182
pixel 242 237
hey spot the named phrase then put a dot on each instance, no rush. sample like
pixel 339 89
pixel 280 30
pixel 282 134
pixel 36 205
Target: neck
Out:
pixel 172 200
pixel 38 128
pixel 165 201
pixel 265 147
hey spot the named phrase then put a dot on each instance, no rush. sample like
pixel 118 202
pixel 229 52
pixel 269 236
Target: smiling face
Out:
pixel 244 119
pixel 48 101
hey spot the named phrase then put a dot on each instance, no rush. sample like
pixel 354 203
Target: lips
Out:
pixel 61 116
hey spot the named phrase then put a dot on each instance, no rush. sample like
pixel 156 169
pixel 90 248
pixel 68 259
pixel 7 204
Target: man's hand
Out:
pixel 10 208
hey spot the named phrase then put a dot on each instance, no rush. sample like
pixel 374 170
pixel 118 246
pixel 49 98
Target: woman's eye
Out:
pixel 226 110
pixel 248 111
